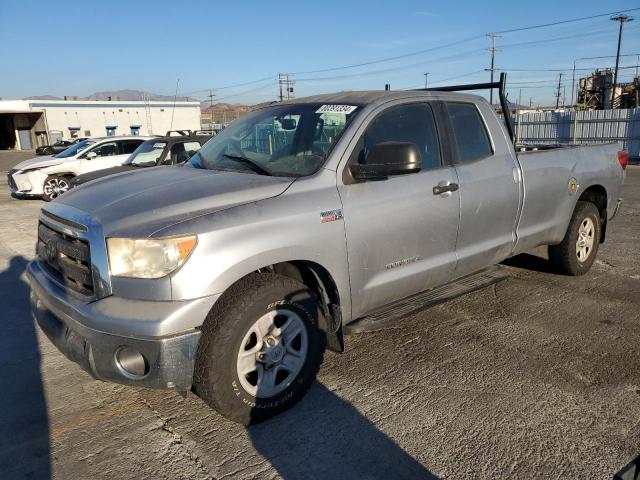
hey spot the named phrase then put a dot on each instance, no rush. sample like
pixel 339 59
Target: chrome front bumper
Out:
pixel 169 360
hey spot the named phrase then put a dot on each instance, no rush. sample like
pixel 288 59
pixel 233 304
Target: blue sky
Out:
pixel 77 48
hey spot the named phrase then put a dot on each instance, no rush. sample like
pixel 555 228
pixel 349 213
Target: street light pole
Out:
pixel 426 79
pixel 622 19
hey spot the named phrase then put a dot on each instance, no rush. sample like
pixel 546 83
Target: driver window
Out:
pixel 106 149
pixel 412 123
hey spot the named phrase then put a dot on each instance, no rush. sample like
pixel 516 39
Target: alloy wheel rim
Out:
pixel 272 353
pixel 55 187
pixel 584 244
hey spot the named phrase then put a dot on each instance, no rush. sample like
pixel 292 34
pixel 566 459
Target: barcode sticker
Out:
pixel 336 109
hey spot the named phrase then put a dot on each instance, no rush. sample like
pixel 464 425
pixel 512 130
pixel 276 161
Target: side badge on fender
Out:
pixel 331 215
pixel 573 185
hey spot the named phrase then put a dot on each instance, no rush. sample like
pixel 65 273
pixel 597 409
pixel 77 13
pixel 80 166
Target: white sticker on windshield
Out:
pixel 336 109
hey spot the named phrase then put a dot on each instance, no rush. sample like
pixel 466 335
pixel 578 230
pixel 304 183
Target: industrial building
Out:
pixel 595 92
pixel 27 124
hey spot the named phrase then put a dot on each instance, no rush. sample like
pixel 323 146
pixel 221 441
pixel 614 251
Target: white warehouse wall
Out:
pixel 95 116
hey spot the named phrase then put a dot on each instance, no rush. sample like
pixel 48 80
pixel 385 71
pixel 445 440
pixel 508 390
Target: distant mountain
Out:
pixel 42 97
pixel 129 95
pixel 117 95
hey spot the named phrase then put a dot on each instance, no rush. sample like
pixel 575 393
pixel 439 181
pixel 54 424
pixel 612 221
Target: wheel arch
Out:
pixel 319 280
pixel 597 195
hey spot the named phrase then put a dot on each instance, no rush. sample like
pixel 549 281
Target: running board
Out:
pixel 385 316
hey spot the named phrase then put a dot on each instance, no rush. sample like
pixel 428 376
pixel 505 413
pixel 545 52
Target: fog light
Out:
pixel 131 362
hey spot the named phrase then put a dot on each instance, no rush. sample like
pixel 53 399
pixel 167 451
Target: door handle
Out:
pixel 444 188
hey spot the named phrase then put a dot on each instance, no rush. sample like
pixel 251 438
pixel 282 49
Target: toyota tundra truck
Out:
pixel 302 222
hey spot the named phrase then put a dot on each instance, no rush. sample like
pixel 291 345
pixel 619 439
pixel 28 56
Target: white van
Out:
pixel 49 177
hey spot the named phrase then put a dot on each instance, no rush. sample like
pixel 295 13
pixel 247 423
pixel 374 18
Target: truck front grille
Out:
pixel 67 259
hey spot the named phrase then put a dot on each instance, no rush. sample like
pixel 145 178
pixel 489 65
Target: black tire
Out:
pixel 216 378
pixel 565 255
pixel 49 192
pixel 47 151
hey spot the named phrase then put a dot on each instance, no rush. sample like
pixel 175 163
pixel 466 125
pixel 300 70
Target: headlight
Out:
pixel 148 257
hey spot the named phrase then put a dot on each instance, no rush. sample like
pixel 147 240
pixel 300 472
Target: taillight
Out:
pixel 623 158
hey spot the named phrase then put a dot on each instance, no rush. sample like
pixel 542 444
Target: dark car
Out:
pixel 167 150
pixel 59 146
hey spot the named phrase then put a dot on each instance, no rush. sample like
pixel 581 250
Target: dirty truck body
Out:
pixel 277 267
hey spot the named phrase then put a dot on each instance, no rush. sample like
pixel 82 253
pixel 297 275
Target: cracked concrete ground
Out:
pixel 535 377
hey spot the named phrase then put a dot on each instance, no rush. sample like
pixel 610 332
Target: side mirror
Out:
pixel 91 155
pixel 287 123
pixel 387 159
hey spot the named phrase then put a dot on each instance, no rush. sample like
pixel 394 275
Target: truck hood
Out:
pixel 39 162
pixel 139 203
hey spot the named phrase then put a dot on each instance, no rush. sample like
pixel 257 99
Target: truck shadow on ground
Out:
pixel 24 421
pixel 531 262
pixel 324 436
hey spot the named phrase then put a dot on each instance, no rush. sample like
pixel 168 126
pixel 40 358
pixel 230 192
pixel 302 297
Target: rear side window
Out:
pixel 412 123
pixel 470 132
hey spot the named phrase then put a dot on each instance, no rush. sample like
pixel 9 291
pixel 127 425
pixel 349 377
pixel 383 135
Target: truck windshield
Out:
pixel 147 154
pixel 75 149
pixel 291 140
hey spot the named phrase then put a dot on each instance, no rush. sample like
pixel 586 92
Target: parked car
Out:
pixel 168 150
pixel 50 177
pixel 59 146
pixel 298 223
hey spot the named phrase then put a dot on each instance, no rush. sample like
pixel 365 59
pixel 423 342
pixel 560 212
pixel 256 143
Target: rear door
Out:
pixel 107 155
pixel 489 188
pixel 400 235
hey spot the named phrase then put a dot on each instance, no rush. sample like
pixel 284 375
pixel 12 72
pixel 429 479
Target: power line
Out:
pixel 562 22
pixel 420 52
pixel 389 59
pixel 553 69
pixel 391 69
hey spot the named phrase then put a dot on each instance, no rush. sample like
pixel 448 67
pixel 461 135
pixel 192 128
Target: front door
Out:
pixel 107 155
pixel 401 236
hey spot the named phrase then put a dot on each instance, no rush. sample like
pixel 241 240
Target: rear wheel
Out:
pixel 54 186
pixel 577 251
pixel 261 348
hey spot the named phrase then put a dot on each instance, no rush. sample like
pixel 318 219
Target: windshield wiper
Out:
pixel 255 166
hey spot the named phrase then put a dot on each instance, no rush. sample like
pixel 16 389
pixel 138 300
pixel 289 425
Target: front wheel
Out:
pixel 261 347
pixel 54 186
pixel 577 251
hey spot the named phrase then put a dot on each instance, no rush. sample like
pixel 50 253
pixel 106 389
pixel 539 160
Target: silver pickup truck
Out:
pixel 299 223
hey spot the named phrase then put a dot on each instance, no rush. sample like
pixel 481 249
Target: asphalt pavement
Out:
pixel 535 377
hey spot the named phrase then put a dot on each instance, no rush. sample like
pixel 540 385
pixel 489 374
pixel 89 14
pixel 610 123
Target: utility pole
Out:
pixel 426 79
pixel 558 92
pixel 211 95
pixel 574 100
pixel 520 98
pixel 622 19
pixel 493 51
pixel 287 83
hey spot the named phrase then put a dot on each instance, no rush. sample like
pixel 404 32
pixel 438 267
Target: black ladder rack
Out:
pixel 500 85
